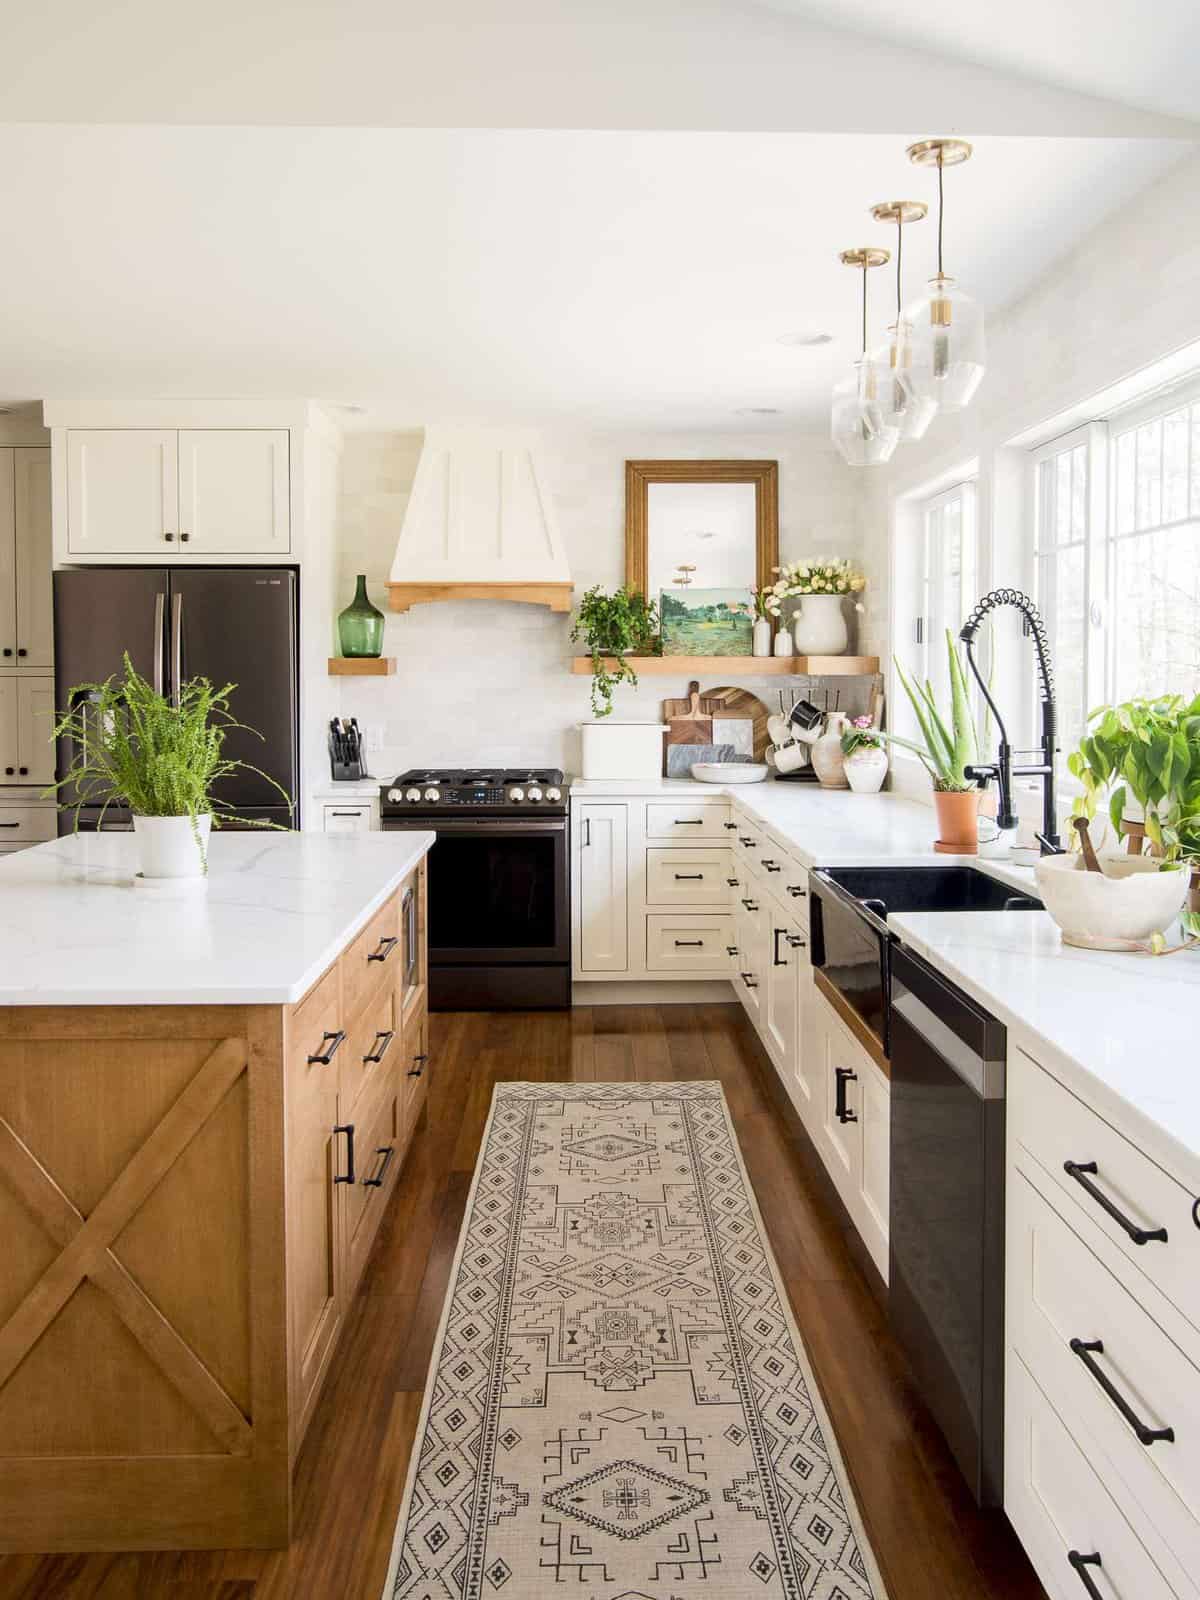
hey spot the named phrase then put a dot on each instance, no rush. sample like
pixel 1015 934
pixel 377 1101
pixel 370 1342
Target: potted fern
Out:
pixel 950 746
pixel 132 746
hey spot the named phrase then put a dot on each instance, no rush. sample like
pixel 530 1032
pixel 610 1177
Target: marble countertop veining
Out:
pixel 77 928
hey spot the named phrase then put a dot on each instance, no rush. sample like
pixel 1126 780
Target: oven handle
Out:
pixel 825 888
pixel 518 826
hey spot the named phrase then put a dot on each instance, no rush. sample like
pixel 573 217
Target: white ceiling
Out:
pixel 1122 50
pixel 609 279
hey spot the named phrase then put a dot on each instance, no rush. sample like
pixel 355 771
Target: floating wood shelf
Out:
pixel 555 595
pixel 745 666
pixel 361 666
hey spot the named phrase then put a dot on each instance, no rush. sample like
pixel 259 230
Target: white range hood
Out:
pixel 480 524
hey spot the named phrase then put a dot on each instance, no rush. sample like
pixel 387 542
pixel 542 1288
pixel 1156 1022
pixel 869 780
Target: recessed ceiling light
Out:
pixel 806 336
pixel 757 411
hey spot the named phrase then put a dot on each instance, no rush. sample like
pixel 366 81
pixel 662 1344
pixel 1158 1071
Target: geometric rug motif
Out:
pixel 619 1400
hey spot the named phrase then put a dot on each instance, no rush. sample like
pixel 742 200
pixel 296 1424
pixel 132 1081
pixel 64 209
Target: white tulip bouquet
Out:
pixel 820 575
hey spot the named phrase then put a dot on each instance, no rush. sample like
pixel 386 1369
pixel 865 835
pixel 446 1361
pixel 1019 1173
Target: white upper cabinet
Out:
pixel 233 491
pixel 31 538
pixel 171 493
pixel 122 491
pixel 26 624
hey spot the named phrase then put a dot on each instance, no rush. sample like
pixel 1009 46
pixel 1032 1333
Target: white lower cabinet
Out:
pixel 751 941
pixel 687 943
pixel 601 888
pixel 348 817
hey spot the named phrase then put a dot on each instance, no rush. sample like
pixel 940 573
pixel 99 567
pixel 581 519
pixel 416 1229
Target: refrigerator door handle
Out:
pixel 160 603
pixel 176 648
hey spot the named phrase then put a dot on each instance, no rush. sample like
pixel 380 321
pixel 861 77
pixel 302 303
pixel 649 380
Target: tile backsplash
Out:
pixel 489 681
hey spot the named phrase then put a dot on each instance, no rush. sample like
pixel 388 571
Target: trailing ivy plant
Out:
pixel 1146 752
pixel 615 626
pixel 133 747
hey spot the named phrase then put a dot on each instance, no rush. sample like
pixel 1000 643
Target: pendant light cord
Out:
pixel 864 273
pixel 941 207
pixel 899 253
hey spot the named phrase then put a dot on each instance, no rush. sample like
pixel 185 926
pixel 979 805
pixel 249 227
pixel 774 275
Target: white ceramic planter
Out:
pixel 1124 906
pixel 167 847
pixel 819 625
pixel 622 751
pixel 866 769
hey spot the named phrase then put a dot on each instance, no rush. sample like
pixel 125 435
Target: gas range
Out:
pixel 492 791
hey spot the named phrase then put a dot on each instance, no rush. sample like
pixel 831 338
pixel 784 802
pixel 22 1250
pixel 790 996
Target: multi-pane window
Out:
pixel 948 580
pixel 1062 530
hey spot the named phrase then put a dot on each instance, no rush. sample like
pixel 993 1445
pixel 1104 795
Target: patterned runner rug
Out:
pixel 619 1399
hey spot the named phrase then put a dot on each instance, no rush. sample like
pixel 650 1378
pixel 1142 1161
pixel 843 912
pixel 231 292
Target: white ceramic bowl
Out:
pixel 1133 899
pixel 729 771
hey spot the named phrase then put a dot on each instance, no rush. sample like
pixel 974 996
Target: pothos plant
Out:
pixel 614 627
pixel 1145 752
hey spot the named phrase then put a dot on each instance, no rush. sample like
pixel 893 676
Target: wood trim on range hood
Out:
pixel 480 524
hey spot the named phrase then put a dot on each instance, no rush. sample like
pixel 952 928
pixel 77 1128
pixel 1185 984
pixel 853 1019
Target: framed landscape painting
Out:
pixel 706 622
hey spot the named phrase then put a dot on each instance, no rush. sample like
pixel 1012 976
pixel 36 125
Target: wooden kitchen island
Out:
pixel 206 1095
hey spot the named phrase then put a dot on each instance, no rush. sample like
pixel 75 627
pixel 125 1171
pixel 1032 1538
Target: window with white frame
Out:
pixel 948 580
pixel 1117 557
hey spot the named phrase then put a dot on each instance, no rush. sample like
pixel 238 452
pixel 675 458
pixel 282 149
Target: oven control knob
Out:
pixel 433 794
pixel 410 794
pixel 533 794
pixel 553 794
pixel 394 795
pixel 516 795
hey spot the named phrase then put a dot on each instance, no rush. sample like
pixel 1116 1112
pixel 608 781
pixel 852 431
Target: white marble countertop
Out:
pixel 359 790
pixel 76 928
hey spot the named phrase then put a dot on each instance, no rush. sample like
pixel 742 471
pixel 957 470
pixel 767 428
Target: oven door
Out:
pixel 849 946
pixel 498 891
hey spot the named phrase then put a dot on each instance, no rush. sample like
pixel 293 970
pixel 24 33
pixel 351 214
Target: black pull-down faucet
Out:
pixel 1002 769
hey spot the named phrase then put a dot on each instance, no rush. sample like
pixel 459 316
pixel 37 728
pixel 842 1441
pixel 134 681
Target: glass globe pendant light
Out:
pixel 860 433
pixel 946 327
pixel 903 406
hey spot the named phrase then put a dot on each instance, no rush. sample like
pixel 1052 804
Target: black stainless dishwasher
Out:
pixel 946 1234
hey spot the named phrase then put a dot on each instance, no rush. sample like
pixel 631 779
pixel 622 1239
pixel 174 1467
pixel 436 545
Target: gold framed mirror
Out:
pixel 712 523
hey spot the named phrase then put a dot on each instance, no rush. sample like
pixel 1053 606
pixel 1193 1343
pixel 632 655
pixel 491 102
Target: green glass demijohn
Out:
pixel 360 625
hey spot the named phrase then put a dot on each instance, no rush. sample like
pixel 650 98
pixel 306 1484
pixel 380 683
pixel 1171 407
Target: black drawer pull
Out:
pixel 21 650
pixel 1077 1170
pixel 689 822
pixel 1084 1348
pixel 687 943
pixel 387 1151
pixel 732 826
pixel 384 948
pixel 796 892
pixel 742 839
pixel 731 949
pixel 689 877
pixel 10 824
pixel 347 813
pixel 348 1176
pixel 750 905
pixel 844 1075
pixel 1081 1564
pixel 418 1066
pixel 749 980
pixel 380 1047
pixel 330 1044
pixel 772 866
pixel 24 771
pixel 796 941
pixel 733 883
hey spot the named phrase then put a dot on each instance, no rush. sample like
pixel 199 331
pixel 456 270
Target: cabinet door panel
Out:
pixel 806 1068
pixel 34 590
pixel 122 491
pixel 602 880
pixel 35 722
pixel 8 564
pixel 782 993
pixel 842 1099
pixel 8 730
pixel 234 496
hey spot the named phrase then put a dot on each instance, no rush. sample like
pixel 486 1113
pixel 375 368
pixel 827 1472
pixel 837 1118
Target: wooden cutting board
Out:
pixel 734 702
pixel 688 722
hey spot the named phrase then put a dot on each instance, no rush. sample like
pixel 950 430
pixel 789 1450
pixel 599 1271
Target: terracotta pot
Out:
pixel 958 822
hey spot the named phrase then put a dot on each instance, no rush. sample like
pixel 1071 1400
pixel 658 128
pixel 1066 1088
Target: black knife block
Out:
pixel 347 771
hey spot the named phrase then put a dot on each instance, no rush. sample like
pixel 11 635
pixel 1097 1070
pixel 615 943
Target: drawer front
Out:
pixel 415 1063
pixel 378 1156
pixel 1058 1505
pixel 27 824
pixel 317 1018
pixel 749 845
pixel 1055 1128
pixel 684 822
pixel 688 877
pixel 372 1049
pixel 373 959
pixel 688 943
pixel 1062 1292
pixel 347 818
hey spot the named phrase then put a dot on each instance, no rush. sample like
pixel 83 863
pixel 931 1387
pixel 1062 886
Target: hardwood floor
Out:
pixel 931 1542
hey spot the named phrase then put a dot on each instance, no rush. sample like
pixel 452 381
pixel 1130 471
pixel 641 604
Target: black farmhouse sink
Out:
pixel 887 889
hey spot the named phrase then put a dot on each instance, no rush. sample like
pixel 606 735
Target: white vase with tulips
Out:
pixel 821 585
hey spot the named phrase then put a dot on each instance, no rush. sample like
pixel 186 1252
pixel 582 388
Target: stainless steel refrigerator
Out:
pixel 230 624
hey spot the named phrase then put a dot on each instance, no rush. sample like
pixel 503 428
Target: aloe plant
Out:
pixel 950 746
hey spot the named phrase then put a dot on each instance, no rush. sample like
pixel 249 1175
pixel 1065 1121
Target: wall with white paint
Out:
pixel 489 681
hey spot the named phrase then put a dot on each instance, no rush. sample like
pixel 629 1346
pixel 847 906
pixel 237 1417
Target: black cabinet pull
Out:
pixel 689 822
pixel 21 650
pixel 732 826
pixel 776 959
pixel 731 949
pixel 844 1075
pixel 742 839
pixel 379 1049
pixel 1196 1211
pixel 1081 1564
pixel 384 948
pixel 733 883
pixel 10 824
pixel 796 892
pixel 685 943
pixel 772 866
pixel 796 941
pixel 330 1044
pixel 1083 1348
pixel 750 905
pixel 387 1151
pixel 348 1176
pixel 23 771
pixel 418 1066
pixel 1077 1170
pixel 184 537
pixel 10 772
pixel 169 537
pixel 8 651
pixel 689 877
pixel 749 980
